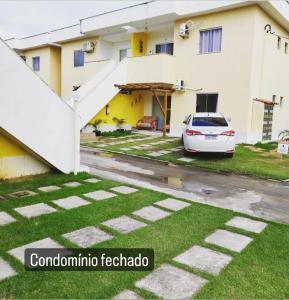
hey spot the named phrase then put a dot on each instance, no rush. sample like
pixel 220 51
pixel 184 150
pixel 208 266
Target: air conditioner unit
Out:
pixel 184 31
pixel 88 47
pixel 180 85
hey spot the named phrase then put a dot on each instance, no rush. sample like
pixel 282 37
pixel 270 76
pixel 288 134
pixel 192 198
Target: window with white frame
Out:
pixel 210 40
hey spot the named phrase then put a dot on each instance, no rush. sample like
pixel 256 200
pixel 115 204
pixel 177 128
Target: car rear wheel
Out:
pixel 229 155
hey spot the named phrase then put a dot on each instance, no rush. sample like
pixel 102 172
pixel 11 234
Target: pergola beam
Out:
pixel 155 88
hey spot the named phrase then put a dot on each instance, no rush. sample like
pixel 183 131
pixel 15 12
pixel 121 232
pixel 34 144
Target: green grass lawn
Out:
pixel 260 271
pixel 260 160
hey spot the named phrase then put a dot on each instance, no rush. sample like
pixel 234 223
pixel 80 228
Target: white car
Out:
pixel 208 132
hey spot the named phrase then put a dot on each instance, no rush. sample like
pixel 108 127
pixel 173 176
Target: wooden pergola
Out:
pixel 156 89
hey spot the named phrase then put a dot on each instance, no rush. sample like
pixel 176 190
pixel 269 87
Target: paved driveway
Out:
pixel 261 198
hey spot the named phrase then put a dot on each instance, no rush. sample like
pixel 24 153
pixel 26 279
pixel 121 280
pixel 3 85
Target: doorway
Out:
pixel 156 111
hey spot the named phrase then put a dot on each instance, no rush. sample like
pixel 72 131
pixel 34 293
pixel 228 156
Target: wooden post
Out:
pixel 165 114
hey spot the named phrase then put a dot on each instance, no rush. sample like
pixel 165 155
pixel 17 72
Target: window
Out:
pixel 36 63
pixel 124 53
pixel 210 40
pixel 78 58
pixel 286 47
pixel 207 102
pixel 165 48
pixel 274 98
pixel 279 42
pixel 210 122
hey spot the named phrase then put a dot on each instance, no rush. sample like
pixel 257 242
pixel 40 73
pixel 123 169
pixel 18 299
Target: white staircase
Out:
pixel 32 113
pixel 97 92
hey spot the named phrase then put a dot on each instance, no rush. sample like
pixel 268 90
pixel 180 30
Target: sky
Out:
pixel 24 18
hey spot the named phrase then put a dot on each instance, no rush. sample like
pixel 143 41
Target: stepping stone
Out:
pixel 154 154
pixel 71 184
pixel 229 240
pixel 155 143
pixel 151 213
pixel 92 180
pixel 185 159
pixel 174 149
pixel 127 294
pixel 50 188
pixel 5 218
pixel 102 145
pixel 204 259
pixel 137 147
pixel 170 282
pixel 124 189
pixel 71 202
pixel 247 224
pixel 87 236
pixel 125 149
pixel 2 198
pixel 164 151
pixel 35 210
pixel 124 224
pixel 45 243
pixel 6 270
pixel 21 194
pixel 172 204
pixel 100 195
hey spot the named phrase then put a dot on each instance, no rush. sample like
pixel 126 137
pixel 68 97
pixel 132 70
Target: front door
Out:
pixel 156 111
pixel 267 122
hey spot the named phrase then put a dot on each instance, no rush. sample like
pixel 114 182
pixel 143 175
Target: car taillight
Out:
pixel 193 132
pixel 228 133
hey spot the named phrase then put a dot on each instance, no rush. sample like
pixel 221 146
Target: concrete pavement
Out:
pixel 256 197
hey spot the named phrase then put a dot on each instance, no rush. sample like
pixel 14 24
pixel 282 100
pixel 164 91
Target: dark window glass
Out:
pixel 36 63
pixel 165 48
pixel 210 121
pixel 207 102
pixel 78 58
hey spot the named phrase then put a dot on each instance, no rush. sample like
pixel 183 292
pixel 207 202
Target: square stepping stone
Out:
pixel 185 159
pixel 2 198
pixel 35 210
pixel 71 202
pixel 50 188
pixel 102 145
pixel 92 180
pixel 100 195
pixel 204 259
pixel 124 189
pixel 172 204
pixel 247 224
pixel 124 224
pixel 87 236
pixel 125 149
pixel 170 282
pixel 164 151
pixel 21 194
pixel 45 243
pixel 151 213
pixel 6 270
pixel 127 294
pixel 5 218
pixel 154 154
pixel 137 147
pixel 229 240
pixel 72 184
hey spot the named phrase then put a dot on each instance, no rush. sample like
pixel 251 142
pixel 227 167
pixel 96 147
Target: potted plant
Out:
pixel 95 124
pixel 119 123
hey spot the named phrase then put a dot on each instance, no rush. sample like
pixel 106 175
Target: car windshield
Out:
pixel 210 121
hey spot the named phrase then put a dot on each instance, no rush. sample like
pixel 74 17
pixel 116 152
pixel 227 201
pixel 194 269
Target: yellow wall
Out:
pixel 15 161
pixel 75 76
pixel 44 54
pixel 55 65
pixel 226 73
pixel 50 65
pixel 136 39
pixel 128 107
